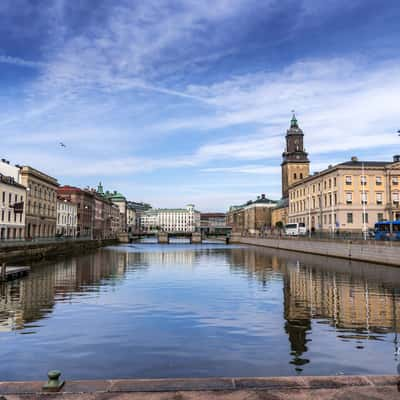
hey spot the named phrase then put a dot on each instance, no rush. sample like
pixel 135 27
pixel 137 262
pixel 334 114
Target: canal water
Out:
pixel 181 310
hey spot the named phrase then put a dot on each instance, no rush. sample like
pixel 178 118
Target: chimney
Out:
pixel 354 159
pixel 396 158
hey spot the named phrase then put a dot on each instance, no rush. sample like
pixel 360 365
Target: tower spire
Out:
pixel 293 122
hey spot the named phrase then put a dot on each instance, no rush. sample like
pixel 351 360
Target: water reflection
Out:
pixel 221 310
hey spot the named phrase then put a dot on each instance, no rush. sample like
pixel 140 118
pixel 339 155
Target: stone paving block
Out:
pixel 165 385
pixel 270 383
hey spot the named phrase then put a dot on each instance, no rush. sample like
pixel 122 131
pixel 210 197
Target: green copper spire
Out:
pixel 293 122
pixel 100 188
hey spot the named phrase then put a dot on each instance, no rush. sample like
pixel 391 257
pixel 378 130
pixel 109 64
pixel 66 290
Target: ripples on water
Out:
pixel 183 310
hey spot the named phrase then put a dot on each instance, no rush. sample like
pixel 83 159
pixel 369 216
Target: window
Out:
pixel 363 180
pixel 395 197
pixel 301 175
pixel 348 180
pixel 379 198
pixel 294 176
pixel 364 218
pixel 364 198
pixel 395 180
pixel 380 217
pixel 4 197
pixel 378 180
pixel 349 218
pixel 349 198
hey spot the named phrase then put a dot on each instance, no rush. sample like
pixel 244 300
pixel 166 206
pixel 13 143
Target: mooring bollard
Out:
pixel 53 384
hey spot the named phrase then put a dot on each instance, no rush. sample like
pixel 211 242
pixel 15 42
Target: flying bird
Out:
pixel 62 144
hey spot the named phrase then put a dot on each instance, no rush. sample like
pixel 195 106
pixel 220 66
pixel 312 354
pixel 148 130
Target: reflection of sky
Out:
pixel 210 316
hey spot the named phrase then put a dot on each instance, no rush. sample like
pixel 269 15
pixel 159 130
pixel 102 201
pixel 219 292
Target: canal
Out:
pixel 180 310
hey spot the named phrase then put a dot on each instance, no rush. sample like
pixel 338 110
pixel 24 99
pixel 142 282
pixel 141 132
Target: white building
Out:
pixel 12 208
pixel 67 221
pixel 171 219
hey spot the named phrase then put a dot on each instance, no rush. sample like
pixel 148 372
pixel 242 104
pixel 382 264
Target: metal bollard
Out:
pixel 53 384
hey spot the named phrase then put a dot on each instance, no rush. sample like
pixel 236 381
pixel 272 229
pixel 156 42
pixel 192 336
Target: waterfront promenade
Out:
pixel 274 388
pixel 387 253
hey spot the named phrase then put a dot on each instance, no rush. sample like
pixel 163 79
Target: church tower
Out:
pixel 295 164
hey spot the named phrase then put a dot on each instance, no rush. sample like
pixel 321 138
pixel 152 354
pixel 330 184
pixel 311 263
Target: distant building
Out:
pixel 134 213
pixel 254 217
pixel 67 218
pixel 41 210
pixel 119 200
pixel 171 219
pixel 84 200
pixel 350 196
pixel 12 205
pixel 214 223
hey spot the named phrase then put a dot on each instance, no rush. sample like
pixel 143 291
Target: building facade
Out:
pixel 253 218
pixel 351 196
pixel 67 218
pixel 214 223
pixel 84 200
pixel 41 210
pixel 12 208
pixel 171 220
pixel 119 200
pixel 295 163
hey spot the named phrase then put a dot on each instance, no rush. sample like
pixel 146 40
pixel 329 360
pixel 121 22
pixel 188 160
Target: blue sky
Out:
pixel 188 101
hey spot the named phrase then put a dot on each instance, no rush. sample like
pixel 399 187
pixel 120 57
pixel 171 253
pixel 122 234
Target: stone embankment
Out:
pixel 369 251
pixel 279 388
pixel 34 251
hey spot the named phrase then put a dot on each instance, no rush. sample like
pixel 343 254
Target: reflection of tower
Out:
pixel 298 319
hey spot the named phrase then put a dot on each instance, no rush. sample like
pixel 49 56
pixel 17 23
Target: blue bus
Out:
pixel 387 230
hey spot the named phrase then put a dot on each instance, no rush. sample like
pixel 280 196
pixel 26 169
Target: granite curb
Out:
pixel 203 384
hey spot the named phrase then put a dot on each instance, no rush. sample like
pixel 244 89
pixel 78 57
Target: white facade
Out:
pixel 67 221
pixel 12 209
pixel 171 219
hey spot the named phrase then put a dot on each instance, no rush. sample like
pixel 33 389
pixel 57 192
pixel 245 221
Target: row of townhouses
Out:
pixel 34 205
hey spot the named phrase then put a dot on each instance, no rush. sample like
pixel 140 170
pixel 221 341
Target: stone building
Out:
pixel 350 196
pixel 41 210
pixel 12 208
pixel 119 200
pixel 84 200
pixel 254 217
pixel 171 219
pixel 67 219
pixel 135 212
pixel 214 223
pixel 295 166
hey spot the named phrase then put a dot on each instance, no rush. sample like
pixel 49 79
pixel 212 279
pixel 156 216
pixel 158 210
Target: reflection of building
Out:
pixel 347 195
pixel 12 203
pixel 253 217
pixel 171 219
pixel 41 215
pixel 31 298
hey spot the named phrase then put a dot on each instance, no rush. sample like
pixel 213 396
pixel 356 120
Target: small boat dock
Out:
pixel 8 273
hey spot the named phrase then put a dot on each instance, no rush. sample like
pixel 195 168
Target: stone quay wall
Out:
pixel 26 251
pixel 369 251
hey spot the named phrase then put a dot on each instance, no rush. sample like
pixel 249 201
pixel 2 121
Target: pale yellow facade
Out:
pixel 351 196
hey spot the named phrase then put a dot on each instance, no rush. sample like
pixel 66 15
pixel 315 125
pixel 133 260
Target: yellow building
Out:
pixel 350 196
